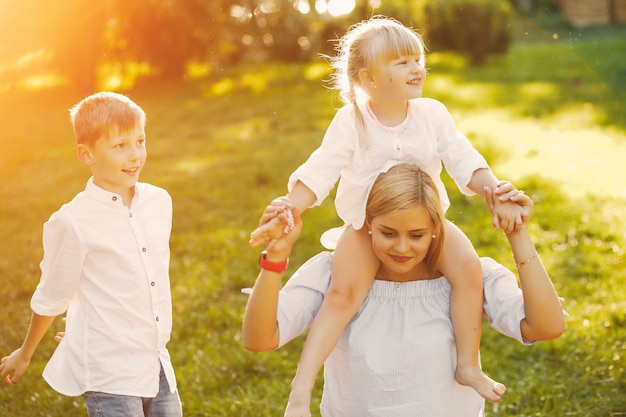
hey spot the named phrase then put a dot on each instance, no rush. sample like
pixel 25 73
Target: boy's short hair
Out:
pixel 102 114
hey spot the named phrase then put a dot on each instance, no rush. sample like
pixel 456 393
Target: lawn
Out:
pixel 550 116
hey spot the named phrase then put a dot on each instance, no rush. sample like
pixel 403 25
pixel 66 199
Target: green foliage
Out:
pixel 475 28
pixel 224 146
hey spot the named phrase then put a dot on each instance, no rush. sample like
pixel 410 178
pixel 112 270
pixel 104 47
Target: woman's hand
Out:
pixel 282 243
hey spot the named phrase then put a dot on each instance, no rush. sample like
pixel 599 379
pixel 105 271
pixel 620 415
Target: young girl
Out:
pixel 380 72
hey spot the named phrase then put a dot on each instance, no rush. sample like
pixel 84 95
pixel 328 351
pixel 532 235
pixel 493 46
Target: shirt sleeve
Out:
pixel 322 169
pixel 503 300
pixel 60 268
pixel 459 157
pixel 301 298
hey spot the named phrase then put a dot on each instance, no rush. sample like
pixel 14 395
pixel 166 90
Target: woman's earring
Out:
pixel 434 236
pixel 369 232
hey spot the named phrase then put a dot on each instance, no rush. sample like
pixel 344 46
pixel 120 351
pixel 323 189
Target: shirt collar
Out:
pixel 106 196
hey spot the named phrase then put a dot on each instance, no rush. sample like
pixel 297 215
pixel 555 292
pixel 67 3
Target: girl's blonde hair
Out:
pixel 405 186
pixel 103 114
pixel 367 45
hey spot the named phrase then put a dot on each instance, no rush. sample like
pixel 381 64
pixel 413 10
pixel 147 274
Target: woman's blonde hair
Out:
pixel 103 114
pixel 367 45
pixel 406 186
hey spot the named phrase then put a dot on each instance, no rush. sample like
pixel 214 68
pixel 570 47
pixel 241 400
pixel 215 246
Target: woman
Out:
pixel 397 356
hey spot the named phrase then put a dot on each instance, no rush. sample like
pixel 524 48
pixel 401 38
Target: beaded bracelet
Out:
pixel 520 264
pixel 290 222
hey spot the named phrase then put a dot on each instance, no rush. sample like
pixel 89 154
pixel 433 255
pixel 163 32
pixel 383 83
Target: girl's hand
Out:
pixel 506 215
pixel 274 222
pixel 526 203
pixel 505 190
pixel 282 244
pixel 274 208
pixel 519 197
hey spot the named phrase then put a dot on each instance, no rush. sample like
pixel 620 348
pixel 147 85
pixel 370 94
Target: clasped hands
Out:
pixel 279 226
pixel 510 208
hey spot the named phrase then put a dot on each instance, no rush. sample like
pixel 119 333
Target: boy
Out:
pixel 106 262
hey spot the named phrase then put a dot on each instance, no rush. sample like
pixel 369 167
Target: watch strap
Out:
pixel 264 263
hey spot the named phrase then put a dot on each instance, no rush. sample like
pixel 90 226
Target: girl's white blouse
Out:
pixel 397 356
pixel 427 137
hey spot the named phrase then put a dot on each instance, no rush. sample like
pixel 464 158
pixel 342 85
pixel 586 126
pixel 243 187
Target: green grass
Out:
pixel 549 116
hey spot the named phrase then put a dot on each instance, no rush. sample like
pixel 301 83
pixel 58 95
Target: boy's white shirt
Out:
pixel 107 265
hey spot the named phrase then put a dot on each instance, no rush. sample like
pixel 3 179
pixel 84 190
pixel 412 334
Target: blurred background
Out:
pixel 236 96
pixel 111 44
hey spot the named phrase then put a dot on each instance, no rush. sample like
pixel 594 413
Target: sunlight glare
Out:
pixel 302 6
pixel 240 14
pixel 197 70
pixel 269 7
pixel 222 87
pixel 335 8
pixel 340 7
pixel 113 82
pixel 41 81
pixel 321 6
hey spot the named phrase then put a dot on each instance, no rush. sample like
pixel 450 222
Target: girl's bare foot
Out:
pixel 299 404
pixel 475 378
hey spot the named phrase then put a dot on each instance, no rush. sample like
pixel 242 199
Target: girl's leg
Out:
pixel 349 285
pixel 461 266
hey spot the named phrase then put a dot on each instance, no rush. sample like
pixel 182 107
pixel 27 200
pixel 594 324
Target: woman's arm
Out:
pixel 260 328
pixel 544 318
pixel 544 315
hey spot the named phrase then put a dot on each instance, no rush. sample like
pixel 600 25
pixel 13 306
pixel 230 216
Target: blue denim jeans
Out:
pixel 165 404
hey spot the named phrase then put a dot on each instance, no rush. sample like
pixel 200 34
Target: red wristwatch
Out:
pixel 272 266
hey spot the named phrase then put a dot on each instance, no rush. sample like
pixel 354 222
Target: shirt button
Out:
pixel 157 319
pixel 143 249
pixel 114 198
pixel 153 283
pixel 131 214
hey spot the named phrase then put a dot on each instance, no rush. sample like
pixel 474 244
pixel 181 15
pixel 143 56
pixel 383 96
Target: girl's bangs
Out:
pixel 400 43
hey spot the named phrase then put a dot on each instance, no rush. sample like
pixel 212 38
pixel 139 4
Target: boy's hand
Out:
pixel 276 220
pixel 60 335
pixel 14 364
